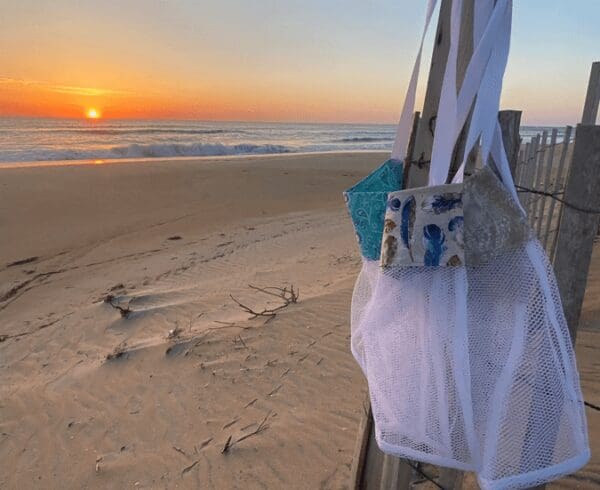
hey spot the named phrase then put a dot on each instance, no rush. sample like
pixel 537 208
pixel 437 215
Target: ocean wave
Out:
pixel 142 151
pixel 122 131
pixel 366 139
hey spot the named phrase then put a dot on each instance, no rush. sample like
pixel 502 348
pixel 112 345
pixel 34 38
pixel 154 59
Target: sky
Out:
pixel 268 60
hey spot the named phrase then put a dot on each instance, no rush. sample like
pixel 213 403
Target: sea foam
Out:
pixel 163 150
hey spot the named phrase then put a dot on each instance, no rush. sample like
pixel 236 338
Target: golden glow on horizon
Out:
pixel 266 100
pixel 92 113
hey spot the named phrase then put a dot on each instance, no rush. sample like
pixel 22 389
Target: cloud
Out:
pixel 62 89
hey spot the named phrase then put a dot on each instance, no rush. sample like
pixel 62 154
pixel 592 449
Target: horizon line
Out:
pixel 241 121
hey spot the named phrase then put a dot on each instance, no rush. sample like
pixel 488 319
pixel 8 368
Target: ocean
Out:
pixel 29 140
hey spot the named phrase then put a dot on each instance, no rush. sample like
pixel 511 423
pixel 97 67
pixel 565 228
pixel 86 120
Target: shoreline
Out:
pixel 201 158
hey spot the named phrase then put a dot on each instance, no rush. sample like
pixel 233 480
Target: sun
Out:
pixel 92 113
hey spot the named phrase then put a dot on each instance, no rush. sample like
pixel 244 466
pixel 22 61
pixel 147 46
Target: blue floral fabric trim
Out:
pixel 366 203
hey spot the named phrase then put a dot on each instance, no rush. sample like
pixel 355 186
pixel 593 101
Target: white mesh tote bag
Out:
pixel 458 326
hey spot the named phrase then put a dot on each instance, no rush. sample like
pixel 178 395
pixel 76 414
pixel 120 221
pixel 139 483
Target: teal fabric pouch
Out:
pixel 367 202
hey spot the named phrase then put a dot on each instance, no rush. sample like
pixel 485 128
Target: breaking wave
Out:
pixel 142 151
pixel 364 140
pixel 124 131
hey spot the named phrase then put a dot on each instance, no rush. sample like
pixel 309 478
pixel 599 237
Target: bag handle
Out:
pixel 406 116
pixel 491 42
pixel 484 122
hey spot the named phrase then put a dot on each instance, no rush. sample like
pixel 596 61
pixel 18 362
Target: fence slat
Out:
pixel 530 173
pixel 546 183
pixel 538 181
pixel 558 186
pixel 521 169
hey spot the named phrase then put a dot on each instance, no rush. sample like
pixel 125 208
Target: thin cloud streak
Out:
pixel 62 89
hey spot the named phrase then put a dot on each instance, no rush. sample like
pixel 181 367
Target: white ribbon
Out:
pixel 406 117
pixel 484 122
pixel 454 110
pixel 486 107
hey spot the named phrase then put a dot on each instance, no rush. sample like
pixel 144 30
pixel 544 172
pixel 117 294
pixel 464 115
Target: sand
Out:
pixel 170 241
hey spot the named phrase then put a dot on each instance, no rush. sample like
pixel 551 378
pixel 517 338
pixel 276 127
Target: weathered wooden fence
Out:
pixel 541 175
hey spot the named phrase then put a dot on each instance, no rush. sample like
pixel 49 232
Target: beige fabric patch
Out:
pixel 452 225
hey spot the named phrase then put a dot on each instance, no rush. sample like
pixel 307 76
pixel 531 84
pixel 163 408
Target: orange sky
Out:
pixel 288 61
pixel 226 100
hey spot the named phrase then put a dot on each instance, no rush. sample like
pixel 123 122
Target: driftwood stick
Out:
pixel 289 296
pixel 124 310
pixel 261 427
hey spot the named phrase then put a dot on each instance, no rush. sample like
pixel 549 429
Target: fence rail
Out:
pixel 541 176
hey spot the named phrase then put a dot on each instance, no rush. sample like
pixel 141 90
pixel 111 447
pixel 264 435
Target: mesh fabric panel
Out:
pixel 472 367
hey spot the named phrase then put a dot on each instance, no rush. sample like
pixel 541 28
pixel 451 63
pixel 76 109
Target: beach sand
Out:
pixel 170 241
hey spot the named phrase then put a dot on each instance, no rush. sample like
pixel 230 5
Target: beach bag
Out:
pixel 458 324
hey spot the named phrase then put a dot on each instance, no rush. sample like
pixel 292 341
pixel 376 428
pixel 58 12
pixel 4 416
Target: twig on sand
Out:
pixel 179 450
pixel 227 445
pixel 261 427
pixel 189 468
pixel 228 325
pixel 205 443
pixel 303 357
pixel 251 403
pixel 288 295
pixel 124 310
pixel 275 390
pixel 22 262
pixel 229 424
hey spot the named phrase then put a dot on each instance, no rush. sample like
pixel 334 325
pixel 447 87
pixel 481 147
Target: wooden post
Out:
pixel 592 99
pixel 424 140
pixel 410 150
pixel 510 123
pixel 577 229
pixel 465 51
pixel 361 446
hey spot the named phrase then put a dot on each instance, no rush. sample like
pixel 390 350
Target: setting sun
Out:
pixel 92 114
